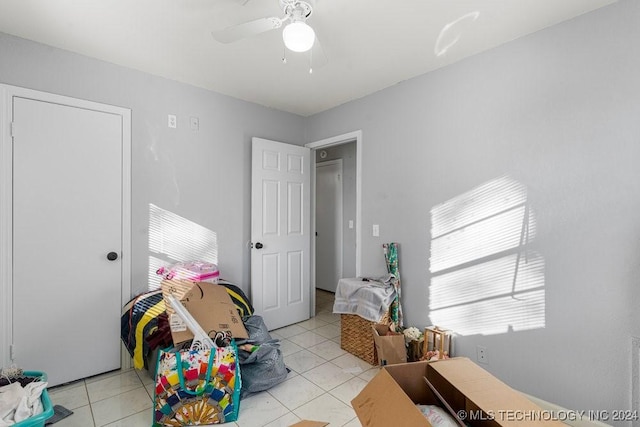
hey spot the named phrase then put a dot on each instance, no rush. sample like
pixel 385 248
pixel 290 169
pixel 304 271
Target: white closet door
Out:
pixel 67 217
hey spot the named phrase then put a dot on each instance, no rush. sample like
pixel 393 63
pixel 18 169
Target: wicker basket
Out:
pixel 356 336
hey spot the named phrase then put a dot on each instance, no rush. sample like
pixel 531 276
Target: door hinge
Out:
pixel 13 129
pixel 12 352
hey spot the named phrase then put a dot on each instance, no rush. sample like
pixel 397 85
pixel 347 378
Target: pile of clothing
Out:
pixel 368 297
pixel 144 325
pixel 145 329
pixel 20 396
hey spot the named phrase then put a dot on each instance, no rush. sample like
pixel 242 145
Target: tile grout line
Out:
pixel 86 390
pixel 119 394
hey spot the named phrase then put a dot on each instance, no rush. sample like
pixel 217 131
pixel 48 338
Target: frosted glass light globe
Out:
pixel 298 36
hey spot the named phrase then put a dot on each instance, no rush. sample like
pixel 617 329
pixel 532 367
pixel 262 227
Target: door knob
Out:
pixel 259 245
pixel 112 256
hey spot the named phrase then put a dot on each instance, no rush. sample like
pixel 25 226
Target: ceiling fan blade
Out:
pixel 248 29
pixel 318 56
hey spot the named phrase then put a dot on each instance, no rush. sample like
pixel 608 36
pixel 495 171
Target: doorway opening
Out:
pixel 331 238
pixel 348 148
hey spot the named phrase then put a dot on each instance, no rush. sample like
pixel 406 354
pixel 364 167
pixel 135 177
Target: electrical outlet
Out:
pixel 350 223
pixel 482 355
pixel 173 122
pixel 376 230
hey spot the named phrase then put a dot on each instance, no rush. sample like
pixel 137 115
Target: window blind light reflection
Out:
pixel 485 277
pixel 478 240
pixel 173 238
pixel 495 316
pixel 482 202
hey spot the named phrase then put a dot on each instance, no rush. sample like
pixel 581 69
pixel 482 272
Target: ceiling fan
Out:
pixel 297 35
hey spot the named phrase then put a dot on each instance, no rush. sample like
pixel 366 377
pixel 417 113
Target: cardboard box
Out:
pixel 208 303
pixel 482 400
pixel 390 346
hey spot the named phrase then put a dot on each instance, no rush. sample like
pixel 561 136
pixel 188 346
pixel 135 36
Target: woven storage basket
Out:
pixel 356 336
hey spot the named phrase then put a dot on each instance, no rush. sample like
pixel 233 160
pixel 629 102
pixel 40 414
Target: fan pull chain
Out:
pixel 311 61
pixel 284 55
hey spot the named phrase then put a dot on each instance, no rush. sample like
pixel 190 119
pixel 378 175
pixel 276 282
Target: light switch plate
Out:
pixel 195 123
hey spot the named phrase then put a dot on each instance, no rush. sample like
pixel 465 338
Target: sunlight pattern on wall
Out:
pixel 173 238
pixel 486 278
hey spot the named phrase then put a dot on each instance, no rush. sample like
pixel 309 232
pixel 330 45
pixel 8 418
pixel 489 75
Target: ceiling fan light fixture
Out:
pixel 298 36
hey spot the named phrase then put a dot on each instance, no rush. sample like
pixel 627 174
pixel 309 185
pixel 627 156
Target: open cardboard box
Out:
pixel 459 384
pixel 208 303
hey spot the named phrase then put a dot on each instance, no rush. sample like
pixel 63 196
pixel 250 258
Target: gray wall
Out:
pixel 201 176
pixel 346 152
pixel 558 111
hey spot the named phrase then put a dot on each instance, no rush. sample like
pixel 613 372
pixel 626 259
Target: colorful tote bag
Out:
pixel 197 387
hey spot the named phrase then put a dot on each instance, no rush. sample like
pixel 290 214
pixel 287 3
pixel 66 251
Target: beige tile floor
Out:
pixel 323 380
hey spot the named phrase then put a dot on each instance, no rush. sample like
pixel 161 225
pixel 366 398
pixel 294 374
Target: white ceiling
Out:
pixel 368 44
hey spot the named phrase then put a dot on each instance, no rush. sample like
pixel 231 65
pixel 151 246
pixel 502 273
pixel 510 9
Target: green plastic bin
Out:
pixel 38 420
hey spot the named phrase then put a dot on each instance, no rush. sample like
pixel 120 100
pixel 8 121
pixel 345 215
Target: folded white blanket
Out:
pixel 18 403
pixel 369 299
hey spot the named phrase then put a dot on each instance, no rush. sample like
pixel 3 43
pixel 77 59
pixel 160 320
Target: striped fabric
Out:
pixel 140 319
pixel 238 297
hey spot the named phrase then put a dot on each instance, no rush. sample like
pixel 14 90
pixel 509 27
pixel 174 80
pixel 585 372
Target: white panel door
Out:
pixel 67 204
pixel 328 224
pixel 280 232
